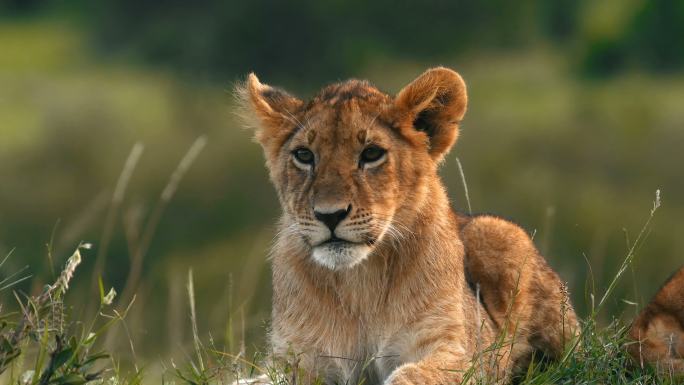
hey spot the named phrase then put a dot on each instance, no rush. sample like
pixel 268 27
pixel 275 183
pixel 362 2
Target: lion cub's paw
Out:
pixel 413 374
pixel 404 375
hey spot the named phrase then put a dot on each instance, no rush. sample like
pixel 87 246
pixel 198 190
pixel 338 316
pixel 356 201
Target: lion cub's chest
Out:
pixel 346 327
pixel 346 350
pixel 345 335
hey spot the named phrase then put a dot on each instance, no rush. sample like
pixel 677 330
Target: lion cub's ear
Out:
pixel 271 110
pixel 434 104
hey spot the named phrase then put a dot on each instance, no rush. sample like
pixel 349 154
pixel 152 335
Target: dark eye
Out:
pixel 371 154
pixel 303 155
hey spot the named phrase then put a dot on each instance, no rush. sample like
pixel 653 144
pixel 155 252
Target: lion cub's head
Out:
pixel 352 166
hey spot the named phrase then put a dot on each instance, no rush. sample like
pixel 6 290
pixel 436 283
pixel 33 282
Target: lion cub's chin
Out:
pixel 340 255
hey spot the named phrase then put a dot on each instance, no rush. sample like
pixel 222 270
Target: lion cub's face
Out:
pixel 339 176
pixel 350 165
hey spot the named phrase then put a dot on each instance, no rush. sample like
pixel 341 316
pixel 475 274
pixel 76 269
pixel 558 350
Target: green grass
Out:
pixel 42 344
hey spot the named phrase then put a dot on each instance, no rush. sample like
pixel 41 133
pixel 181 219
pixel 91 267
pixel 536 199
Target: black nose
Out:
pixel 332 219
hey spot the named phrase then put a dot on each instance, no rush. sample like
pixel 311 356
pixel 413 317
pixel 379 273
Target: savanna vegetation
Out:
pixel 117 128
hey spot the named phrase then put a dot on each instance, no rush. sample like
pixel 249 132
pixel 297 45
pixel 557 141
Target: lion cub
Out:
pixel 658 331
pixel 375 277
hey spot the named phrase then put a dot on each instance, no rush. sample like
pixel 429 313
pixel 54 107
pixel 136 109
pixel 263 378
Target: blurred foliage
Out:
pixel 575 120
pixel 314 41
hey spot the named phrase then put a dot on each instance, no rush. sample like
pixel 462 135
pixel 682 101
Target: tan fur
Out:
pixel 658 331
pixel 525 298
pixel 397 301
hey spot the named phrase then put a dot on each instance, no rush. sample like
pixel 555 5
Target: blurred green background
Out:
pixel 576 118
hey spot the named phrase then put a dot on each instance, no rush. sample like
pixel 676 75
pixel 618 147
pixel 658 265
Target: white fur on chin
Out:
pixel 338 256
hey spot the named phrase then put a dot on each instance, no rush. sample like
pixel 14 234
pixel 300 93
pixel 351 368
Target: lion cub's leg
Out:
pixel 524 297
pixel 658 331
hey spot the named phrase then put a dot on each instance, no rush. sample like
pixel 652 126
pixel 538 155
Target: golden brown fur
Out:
pixel 396 288
pixel 521 293
pixel 658 331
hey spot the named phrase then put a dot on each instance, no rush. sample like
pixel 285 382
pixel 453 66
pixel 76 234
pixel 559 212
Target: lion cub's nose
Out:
pixel 333 218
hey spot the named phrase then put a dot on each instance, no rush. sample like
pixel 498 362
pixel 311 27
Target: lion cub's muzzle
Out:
pixel 340 242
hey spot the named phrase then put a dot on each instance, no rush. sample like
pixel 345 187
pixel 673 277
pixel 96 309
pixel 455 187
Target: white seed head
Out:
pixel 27 377
pixel 109 298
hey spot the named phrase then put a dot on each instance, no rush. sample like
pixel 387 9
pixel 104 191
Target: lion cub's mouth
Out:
pixel 334 240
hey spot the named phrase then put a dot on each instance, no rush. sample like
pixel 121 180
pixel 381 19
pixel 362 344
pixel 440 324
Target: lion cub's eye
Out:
pixel 303 155
pixel 372 154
